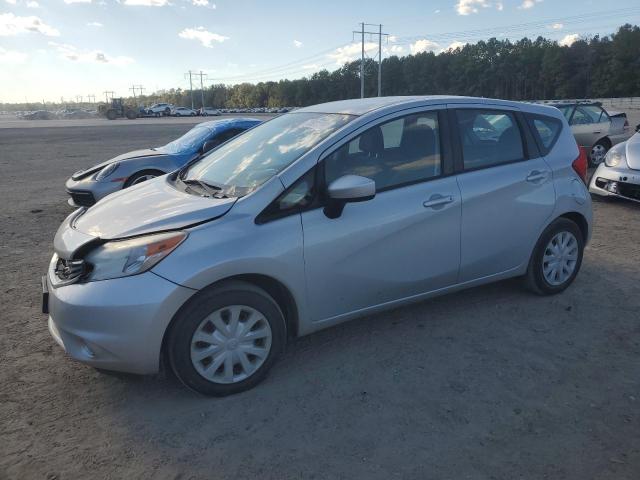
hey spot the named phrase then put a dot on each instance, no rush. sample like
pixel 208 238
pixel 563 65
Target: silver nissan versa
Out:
pixel 315 217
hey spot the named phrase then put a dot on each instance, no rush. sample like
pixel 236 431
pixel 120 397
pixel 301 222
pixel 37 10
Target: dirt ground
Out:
pixel 491 383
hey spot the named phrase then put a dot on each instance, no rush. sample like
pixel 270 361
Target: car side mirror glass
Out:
pixel 346 189
pixel 209 145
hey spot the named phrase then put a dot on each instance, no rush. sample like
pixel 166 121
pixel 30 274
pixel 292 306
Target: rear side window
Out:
pixel 546 131
pixel 489 137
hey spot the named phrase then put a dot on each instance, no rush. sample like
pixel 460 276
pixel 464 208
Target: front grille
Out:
pixel 81 198
pixel 629 190
pixel 69 271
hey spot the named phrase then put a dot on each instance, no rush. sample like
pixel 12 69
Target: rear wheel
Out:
pixel 226 339
pixel 131 115
pixel 142 176
pixel 111 114
pixel 598 152
pixel 556 259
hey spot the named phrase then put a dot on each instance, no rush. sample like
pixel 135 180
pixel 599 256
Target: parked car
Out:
pixel 594 128
pixel 209 111
pixel 86 187
pixel 37 115
pixel 183 112
pixel 619 174
pixel 315 217
pixel 159 109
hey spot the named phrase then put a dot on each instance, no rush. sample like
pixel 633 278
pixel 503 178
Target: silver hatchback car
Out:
pixel 315 217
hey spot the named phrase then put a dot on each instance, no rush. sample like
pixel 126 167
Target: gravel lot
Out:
pixel 491 383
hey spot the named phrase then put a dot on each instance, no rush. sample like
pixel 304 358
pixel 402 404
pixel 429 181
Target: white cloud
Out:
pixel 500 6
pixel 11 24
pixel 146 3
pixel 556 26
pixel 351 52
pixel 33 4
pixel 454 45
pixel 436 11
pixel 312 66
pixel 94 24
pixel 467 7
pixel 395 50
pixel 527 4
pixel 11 2
pixel 569 40
pixel 297 43
pixel 69 52
pixel 205 37
pixel 12 56
pixel 424 45
pixel 77 1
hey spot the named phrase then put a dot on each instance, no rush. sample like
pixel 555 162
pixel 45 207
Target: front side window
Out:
pixel 489 138
pixel 246 162
pixel 397 152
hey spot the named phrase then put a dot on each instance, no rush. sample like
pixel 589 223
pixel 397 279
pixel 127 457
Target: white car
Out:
pixel 183 112
pixel 159 109
pixel 209 111
pixel 619 174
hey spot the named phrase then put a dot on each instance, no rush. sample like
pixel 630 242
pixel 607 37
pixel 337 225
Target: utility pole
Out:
pixel 108 93
pixel 190 87
pixel 202 86
pixel 91 98
pixel 380 35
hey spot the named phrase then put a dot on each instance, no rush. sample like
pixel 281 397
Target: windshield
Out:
pixel 249 160
pixel 190 142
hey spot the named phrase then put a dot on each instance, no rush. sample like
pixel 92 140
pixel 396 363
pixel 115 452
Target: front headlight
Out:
pixel 106 171
pixel 615 156
pixel 121 258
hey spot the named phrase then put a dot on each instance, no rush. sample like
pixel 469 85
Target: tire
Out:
pixel 141 176
pixel 131 115
pixel 236 299
pixel 111 114
pixel 167 111
pixel 598 152
pixel 540 280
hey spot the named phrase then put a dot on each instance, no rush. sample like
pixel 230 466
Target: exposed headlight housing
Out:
pixel 122 258
pixel 106 171
pixel 615 156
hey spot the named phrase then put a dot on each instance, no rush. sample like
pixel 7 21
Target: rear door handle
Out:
pixel 438 200
pixel 537 176
pixel 597 132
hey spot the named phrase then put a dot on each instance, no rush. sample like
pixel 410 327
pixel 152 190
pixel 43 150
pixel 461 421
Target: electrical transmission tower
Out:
pixel 108 94
pixel 380 35
pixel 134 88
pixel 196 74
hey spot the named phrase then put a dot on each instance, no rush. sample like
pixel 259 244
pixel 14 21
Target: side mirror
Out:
pixel 346 189
pixel 209 145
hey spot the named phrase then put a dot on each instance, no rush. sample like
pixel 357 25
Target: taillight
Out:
pixel 581 164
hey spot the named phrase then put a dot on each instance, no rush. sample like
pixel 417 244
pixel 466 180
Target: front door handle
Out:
pixel 438 200
pixel 537 176
pixel 597 132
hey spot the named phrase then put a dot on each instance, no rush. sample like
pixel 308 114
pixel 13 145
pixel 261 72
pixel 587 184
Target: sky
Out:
pixel 53 50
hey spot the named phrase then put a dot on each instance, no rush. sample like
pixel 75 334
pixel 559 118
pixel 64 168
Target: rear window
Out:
pixel 546 131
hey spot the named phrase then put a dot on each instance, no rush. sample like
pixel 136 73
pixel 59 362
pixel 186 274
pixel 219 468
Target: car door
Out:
pixel 401 243
pixel 589 124
pixel 506 188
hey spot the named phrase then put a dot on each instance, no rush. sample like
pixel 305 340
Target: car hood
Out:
pixel 149 207
pixel 632 151
pixel 147 152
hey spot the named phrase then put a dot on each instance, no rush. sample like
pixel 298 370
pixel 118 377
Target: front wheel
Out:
pixel 226 339
pixel 142 176
pixel 556 259
pixel 598 152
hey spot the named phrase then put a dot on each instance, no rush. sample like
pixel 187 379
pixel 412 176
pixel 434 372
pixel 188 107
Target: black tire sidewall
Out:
pixel 191 315
pixel 141 173
pixel 592 164
pixel 536 269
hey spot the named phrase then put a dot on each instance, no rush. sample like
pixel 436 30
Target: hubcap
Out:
pixel 597 154
pixel 142 178
pixel 230 344
pixel 560 258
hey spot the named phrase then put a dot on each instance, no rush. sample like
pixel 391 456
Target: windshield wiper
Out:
pixel 207 187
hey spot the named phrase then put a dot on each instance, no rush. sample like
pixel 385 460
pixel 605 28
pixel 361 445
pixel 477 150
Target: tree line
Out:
pixel 599 67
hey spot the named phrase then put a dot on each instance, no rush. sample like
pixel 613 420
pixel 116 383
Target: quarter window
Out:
pixel 401 151
pixel 489 138
pixel 546 130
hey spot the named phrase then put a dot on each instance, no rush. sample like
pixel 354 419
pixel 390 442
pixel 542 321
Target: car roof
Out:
pixel 229 123
pixel 362 106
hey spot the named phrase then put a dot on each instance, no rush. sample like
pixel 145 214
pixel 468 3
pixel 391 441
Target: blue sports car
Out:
pixel 86 187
